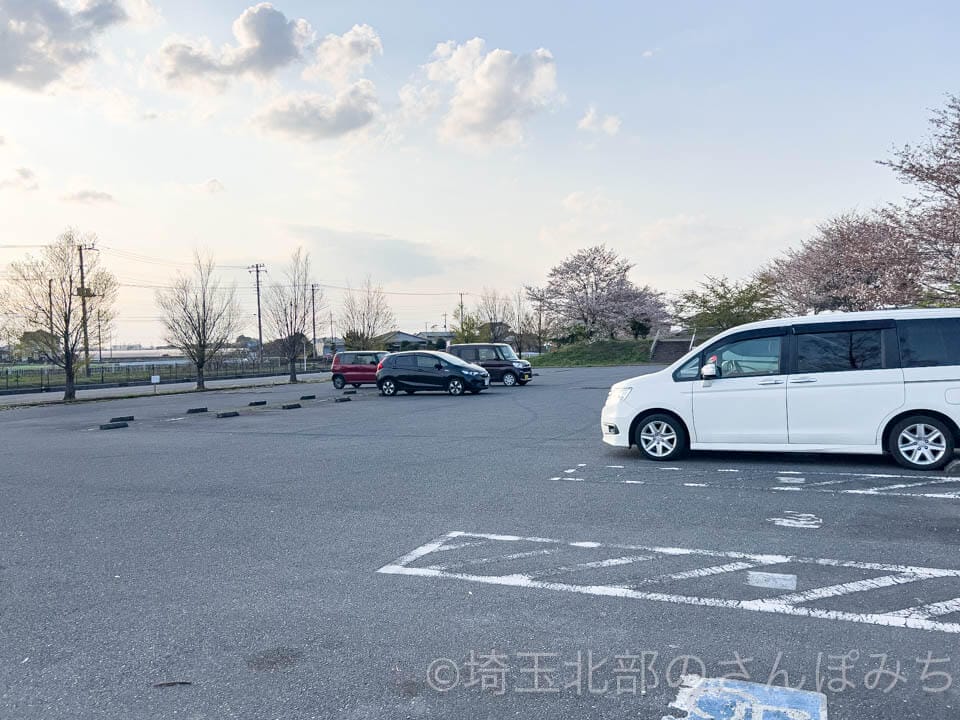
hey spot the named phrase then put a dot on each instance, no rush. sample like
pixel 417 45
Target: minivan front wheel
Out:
pixel 661 437
pixel 922 443
pixel 509 379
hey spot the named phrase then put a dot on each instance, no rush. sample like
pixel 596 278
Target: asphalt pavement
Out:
pixel 482 556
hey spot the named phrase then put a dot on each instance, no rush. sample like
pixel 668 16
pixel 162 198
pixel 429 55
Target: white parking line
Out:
pixel 794 519
pixel 791 604
pixel 774 581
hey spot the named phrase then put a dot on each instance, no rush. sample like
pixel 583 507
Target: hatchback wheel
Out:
pixel 339 382
pixel 661 437
pixel 922 443
pixel 455 386
pixel 388 388
pixel 509 379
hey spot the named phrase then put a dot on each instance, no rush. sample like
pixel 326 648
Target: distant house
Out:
pixel 398 340
pixel 432 336
pixel 6 353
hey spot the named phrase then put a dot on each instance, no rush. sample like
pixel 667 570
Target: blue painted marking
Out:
pixel 719 699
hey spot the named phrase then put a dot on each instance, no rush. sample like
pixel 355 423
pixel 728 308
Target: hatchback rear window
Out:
pixel 929 343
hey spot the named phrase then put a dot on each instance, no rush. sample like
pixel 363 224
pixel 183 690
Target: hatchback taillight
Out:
pixel 380 366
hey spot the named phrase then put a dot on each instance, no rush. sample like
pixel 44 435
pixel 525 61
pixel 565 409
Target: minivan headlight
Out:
pixel 520 364
pixel 618 394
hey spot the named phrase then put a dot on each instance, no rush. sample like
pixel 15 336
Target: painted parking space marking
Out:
pixel 774 581
pixel 732 565
pixel 722 699
pixel 793 519
pixel 864 484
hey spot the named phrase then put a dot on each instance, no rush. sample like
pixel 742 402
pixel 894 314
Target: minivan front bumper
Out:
pixel 615 425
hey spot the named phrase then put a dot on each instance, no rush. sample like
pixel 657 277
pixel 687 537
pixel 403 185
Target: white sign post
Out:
pixel 154 380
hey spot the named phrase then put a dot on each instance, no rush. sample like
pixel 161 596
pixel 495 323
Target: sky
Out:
pixel 445 147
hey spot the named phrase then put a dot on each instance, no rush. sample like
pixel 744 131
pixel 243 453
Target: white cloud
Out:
pixel 492 93
pixel 210 187
pixel 22 179
pixel 593 122
pixel 648 53
pixel 266 42
pixel 342 58
pixel 43 40
pixel 89 197
pixel 318 117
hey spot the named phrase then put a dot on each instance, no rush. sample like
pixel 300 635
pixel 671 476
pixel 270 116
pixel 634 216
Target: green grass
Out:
pixel 601 352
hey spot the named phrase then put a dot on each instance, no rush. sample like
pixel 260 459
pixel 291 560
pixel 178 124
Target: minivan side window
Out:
pixel 347 359
pixel 747 358
pixel 690 370
pixel 929 343
pixel 467 353
pixel 838 351
pixel 487 353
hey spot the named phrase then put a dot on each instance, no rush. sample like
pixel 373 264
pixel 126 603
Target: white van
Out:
pixel 866 382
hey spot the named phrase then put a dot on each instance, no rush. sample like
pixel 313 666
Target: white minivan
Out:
pixel 865 382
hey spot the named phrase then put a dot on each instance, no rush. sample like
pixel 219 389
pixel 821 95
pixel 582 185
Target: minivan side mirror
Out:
pixel 708 371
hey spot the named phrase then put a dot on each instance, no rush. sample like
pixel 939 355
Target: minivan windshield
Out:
pixel 507 352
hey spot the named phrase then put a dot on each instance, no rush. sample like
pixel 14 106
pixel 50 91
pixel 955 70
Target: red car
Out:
pixel 356 368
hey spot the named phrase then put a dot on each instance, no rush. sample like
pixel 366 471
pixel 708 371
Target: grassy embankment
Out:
pixel 601 352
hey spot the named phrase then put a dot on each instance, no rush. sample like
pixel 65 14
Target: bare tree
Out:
pixel 366 315
pixel 288 308
pixel 540 324
pixel 588 289
pixel 199 314
pixel 46 294
pixel 494 311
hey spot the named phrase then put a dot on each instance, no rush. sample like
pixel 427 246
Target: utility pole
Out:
pixel 444 322
pixel 84 293
pixel 258 268
pixel 99 336
pixel 313 308
pixel 333 341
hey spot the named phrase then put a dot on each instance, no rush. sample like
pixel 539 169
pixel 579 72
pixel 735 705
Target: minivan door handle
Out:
pixel 803 381
pixel 770 382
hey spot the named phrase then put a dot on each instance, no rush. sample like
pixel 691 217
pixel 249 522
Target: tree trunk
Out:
pixel 293 370
pixel 69 390
pixel 200 382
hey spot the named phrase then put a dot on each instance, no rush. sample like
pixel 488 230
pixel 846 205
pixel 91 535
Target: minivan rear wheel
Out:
pixel 339 382
pixel 921 442
pixel 661 438
pixel 509 379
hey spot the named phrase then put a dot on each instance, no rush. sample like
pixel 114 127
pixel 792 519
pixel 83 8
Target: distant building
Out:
pixel 434 335
pixel 6 353
pixel 398 340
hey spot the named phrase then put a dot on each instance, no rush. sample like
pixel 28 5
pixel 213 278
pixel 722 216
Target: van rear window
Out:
pixel 929 343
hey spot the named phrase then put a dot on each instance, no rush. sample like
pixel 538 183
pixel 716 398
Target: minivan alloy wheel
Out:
pixel 509 379
pixel 658 438
pixel 922 444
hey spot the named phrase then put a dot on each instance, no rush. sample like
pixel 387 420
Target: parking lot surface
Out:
pixel 485 556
